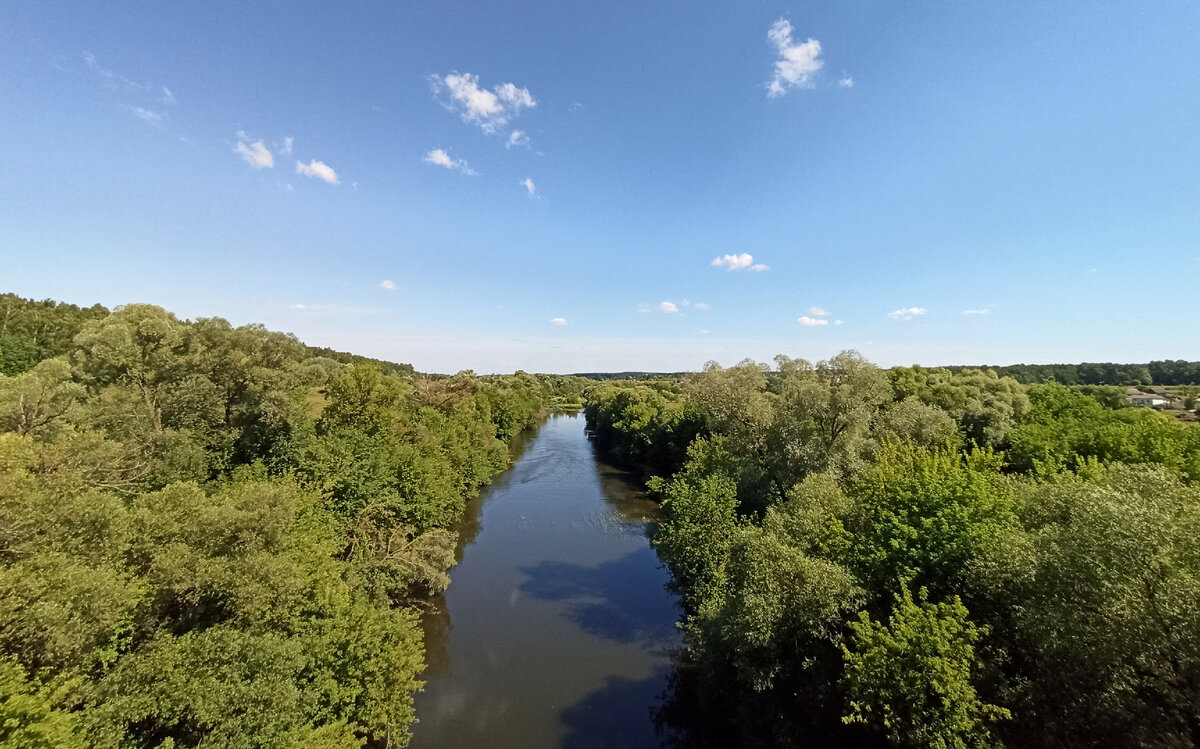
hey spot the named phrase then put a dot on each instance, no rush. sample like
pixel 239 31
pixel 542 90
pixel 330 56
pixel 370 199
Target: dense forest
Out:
pixel 921 557
pixel 216 536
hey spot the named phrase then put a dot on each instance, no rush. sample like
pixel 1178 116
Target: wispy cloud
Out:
pixel 705 332
pixel 318 169
pixel 668 307
pixel 797 63
pixel 983 311
pixel 846 82
pixel 908 313
pixel 113 80
pixel 149 115
pixel 490 110
pixel 818 311
pixel 701 305
pixel 439 157
pixel 285 148
pixel 743 261
pixel 528 183
pixel 168 98
pixel 558 321
pixel 330 310
pixel 517 138
pixel 811 321
pixel 389 285
pixel 255 154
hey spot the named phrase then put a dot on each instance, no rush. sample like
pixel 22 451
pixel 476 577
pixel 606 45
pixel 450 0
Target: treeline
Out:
pixel 921 557
pixel 210 536
pixel 604 376
pixel 1168 372
pixel 1176 372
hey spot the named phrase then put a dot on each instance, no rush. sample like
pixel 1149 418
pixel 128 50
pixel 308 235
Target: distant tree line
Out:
pixel 1167 372
pixel 211 536
pixel 1177 372
pixel 920 557
pixel 605 376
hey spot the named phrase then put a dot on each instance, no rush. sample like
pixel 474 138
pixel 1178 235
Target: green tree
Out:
pixel 910 677
pixel 38 400
pixel 137 345
pixel 32 715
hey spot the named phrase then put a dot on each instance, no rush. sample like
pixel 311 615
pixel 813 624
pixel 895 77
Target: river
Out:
pixel 557 629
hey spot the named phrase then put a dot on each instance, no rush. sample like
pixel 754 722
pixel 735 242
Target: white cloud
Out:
pixel 819 312
pixel 837 322
pixel 255 154
pixel 907 313
pixel 701 305
pixel 558 321
pixel 797 62
pixel 148 115
pixel 744 261
pixel 286 148
pixel 734 262
pixel 168 98
pixel 438 157
pixel 517 138
pixel 490 110
pixel 318 169
pixel 811 321
pixel 846 82
pixel 705 332
pixel 528 183
pixel 667 307
pixel 983 311
pixel 389 285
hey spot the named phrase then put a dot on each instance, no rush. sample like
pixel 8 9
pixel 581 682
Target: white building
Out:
pixel 1152 400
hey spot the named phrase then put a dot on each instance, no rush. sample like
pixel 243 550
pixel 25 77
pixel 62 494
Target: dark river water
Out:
pixel 557 629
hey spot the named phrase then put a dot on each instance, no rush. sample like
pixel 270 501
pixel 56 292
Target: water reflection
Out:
pixel 612 600
pixel 557 628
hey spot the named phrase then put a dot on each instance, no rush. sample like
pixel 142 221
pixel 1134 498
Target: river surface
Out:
pixel 557 629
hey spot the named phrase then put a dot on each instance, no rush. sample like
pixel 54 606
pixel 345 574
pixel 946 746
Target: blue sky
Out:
pixel 546 186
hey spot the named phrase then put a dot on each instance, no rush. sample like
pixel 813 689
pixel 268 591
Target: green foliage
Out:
pixel 782 614
pixel 823 420
pixel 986 406
pixel 910 677
pixel 32 331
pixel 32 716
pixel 1090 373
pixel 1105 593
pixel 812 492
pixel 915 420
pixel 643 425
pixel 189 556
pixel 922 515
pixel 1064 430
pixel 38 401
pixel 699 519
